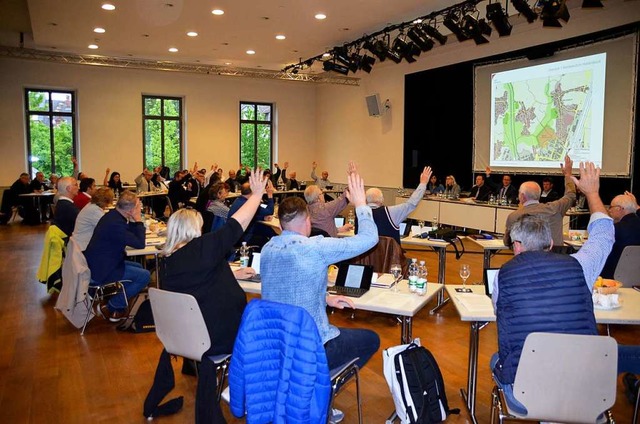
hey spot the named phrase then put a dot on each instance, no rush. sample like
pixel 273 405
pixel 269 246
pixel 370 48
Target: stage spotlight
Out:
pixel 592 3
pixel 434 33
pixel 452 22
pixel 341 54
pixel 552 12
pixel 335 67
pixel 378 48
pixel 394 55
pixel 475 29
pixel 418 36
pixel 354 63
pixel 500 20
pixel 406 49
pixel 366 64
pixel 522 6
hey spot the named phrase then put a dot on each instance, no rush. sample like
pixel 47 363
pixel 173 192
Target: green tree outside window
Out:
pixel 162 132
pixel 256 134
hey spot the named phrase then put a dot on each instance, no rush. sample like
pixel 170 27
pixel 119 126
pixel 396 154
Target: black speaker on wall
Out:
pixel 373 105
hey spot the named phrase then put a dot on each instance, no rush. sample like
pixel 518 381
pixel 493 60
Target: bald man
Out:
pixel 627 226
pixel 553 212
pixel 388 218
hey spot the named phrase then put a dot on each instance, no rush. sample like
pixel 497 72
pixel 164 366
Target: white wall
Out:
pixel 346 131
pixel 110 123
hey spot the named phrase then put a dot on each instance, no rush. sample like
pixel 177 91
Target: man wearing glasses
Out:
pixel 627 226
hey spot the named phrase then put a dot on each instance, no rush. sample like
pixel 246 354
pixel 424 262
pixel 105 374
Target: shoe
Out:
pixel 105 313
pixel 336 416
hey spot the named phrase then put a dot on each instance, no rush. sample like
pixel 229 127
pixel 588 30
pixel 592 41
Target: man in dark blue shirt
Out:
pixel 256 235
pixel 106 255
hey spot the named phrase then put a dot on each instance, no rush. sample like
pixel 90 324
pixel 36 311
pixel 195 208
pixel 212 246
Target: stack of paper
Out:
pixel 383 281
pixel 475 302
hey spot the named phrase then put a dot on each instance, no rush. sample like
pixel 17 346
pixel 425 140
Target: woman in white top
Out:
pixel 90 215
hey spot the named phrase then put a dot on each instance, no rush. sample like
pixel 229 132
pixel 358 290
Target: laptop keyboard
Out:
pixel 348 291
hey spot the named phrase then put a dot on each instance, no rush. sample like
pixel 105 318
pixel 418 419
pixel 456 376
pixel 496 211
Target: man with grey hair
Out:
pixel 552 212
pixel 66 211
pixel 117 229
pixel 388 218
pixel 542 291
pixel 322 213
pixel 627 226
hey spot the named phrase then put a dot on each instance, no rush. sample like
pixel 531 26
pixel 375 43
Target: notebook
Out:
pixel 339 220
pixel 254 263
pixel 489 277
pixel 353 280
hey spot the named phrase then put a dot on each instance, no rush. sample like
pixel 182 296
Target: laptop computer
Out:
pixel 489 278
pixel 254 262
pixel 405 230
pixel 339 220
pixel 353 280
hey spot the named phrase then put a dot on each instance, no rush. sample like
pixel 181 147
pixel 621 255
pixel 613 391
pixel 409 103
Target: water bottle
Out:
pixel 434 223
pixel 351 219
pixel 421 284
pixel 413 275
pixel 244 255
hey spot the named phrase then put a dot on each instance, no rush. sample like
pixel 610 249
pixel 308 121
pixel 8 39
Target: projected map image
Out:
pixel 540 114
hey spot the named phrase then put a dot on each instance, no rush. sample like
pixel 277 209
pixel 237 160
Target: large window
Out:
pixel 51 136
pixel 256 134
pixel 162 132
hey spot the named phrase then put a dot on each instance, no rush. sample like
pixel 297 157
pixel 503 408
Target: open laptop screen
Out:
pixel 355 276
pixel 255 262
pixel 489 277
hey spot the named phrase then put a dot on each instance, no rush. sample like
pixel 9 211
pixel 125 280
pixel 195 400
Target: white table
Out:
pixel 403 304
pixel 482 313
pixel 488 248
pixel 37 200
pixel 440 247
pixel 152 242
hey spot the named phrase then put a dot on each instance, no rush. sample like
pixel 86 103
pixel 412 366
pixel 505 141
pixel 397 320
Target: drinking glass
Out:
pixel 421 225
pixel 465 272
pixel 396 271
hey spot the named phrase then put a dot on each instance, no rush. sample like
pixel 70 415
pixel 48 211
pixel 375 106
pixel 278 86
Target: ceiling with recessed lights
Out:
pixel 278 32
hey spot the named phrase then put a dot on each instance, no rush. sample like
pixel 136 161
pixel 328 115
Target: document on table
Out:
pixel 474 302
pixel 384 281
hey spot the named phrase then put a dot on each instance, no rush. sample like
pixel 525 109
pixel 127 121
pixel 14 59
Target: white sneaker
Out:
pixel 336 416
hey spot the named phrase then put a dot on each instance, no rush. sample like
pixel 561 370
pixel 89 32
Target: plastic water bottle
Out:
pixel 434 223
pixel 413 275
pixel 244 255
pixel 351 218
pixel 421 284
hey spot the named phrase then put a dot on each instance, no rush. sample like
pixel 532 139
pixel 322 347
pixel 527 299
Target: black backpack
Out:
pixel 421 386
pixel 140 319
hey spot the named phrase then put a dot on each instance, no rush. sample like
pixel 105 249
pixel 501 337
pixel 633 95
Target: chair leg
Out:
pixel 637 408
pixel 89 311
pixel 223 375
pixel 357 375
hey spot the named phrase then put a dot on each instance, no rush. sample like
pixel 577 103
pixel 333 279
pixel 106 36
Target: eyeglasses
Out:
pixel 514 242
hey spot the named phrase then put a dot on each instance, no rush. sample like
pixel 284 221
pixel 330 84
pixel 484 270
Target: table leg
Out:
pixel 442 263
pixel 469 396
pixel 487 259
pixel 406 331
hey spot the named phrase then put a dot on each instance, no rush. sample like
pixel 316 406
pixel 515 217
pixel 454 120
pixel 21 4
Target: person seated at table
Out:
pixel 278 177
pixel 66 211
pixel 256 234
pixel 480 191
pixel 217 197
pixel 143 182
pixel 388 218
pixel 323 213
pixel 87 188
pixel 194 185
pixel 11 198
pixel 321 182
pixel 105 253
pixel 506 192
pixel 90 215
pixel 542 291
pixel 434 186
pixel 177 192
pixel 233 184
pixel 451 188
pixel 627 229
pixel 38 184
pixel 212 283
pixel 293 270
pixel 290 181
pixel 53 182
pixel 113 181
pixel 548 193
pixel 552 212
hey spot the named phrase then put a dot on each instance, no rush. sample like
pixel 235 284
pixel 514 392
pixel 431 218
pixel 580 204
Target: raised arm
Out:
pixel 400 212
pixel 106 177
pixel 245 214
pixel 314 177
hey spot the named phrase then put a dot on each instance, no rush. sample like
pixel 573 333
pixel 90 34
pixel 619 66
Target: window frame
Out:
pixel 255 123
pixel 163 118
pixel 50 114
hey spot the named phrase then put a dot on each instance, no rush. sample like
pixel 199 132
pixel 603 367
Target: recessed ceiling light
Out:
pixel 108 6
pixel 192 34
pixel 99 30
pixel 280 37
pixel 217 12
pixel 251 52
pixel 173 49
pixel 326 55
pixel 321 16
pixel 227 63
pixel 417 21
pixel 93 46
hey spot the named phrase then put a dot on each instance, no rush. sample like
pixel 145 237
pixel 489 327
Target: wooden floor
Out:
pixel 51 374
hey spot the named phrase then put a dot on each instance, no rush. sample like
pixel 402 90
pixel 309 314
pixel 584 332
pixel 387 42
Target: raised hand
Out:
pixel 107 171
pixel 567 166
pixel 257 182
pixel 589 182
pixel 314 165
pixel 356 194
pixel 425 175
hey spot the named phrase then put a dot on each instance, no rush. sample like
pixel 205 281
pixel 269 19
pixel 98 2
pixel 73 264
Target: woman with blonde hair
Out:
pixel 89 216
pixel 195 264
pixel 451 188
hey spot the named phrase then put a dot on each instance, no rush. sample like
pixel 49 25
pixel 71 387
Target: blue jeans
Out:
pixel 139 277
pixel 513 403
pixel 629 359
pixel 351 343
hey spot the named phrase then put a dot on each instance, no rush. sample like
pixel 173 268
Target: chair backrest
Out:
pixel 383 255
pixel 566 377
pixel 627 271
pixel 179 323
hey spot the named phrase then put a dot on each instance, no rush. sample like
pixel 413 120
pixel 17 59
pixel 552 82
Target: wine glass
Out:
pixel 465 272
pixel 396 271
